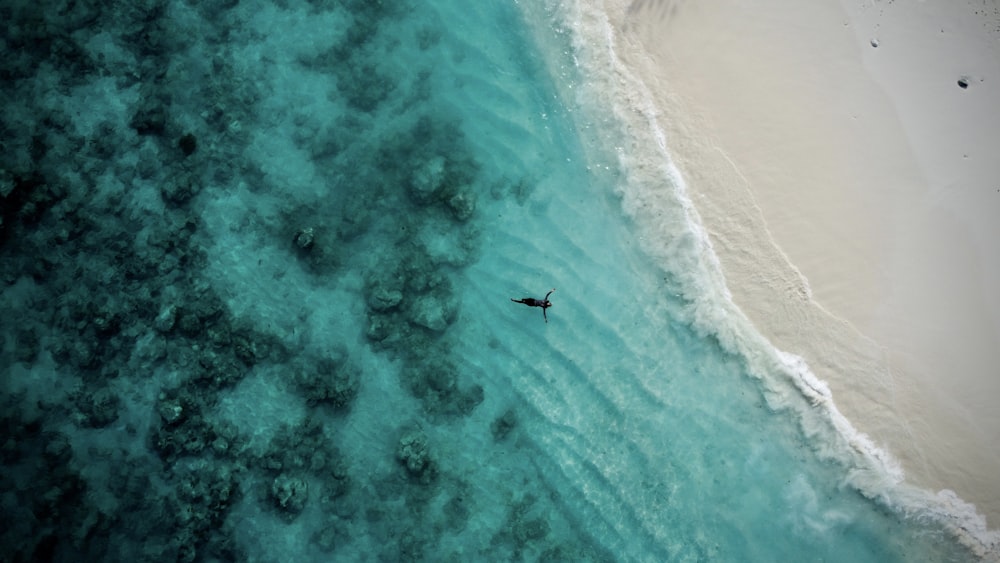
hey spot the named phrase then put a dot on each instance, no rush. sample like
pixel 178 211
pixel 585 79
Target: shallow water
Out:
pixel 258 260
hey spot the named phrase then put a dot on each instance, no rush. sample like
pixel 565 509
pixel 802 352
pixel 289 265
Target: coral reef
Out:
pixel 414 455
pixel 503 425
pixel 96 408
pixel 289 493
pixel 139 159
pixel 334 381
pixel 435 381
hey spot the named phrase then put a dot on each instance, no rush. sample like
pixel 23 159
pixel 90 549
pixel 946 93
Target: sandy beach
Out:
pixel 842 156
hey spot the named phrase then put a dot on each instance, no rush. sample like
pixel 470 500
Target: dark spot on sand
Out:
pixel 963 83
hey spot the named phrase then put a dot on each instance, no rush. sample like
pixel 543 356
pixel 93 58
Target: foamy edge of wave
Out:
pixel 653 192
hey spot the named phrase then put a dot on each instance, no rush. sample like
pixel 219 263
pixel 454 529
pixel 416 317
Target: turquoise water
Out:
pixel 271 320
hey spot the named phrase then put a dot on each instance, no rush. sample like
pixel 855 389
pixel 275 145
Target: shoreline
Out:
pixel 840 216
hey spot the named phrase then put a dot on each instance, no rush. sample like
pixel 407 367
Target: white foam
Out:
pixel 654 195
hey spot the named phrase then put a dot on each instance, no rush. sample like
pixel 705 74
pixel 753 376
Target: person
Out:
pixel 544 303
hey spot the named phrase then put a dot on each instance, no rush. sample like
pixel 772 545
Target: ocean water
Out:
pixel 258 261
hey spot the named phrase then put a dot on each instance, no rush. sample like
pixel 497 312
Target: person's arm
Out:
pixel 549 293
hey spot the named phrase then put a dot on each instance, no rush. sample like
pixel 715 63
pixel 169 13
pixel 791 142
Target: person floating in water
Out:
pixel 544 303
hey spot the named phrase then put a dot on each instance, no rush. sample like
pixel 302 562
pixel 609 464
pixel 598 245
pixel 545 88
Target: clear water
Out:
pixel 373 183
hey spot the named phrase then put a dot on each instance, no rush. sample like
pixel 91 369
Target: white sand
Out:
pixel 852 194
